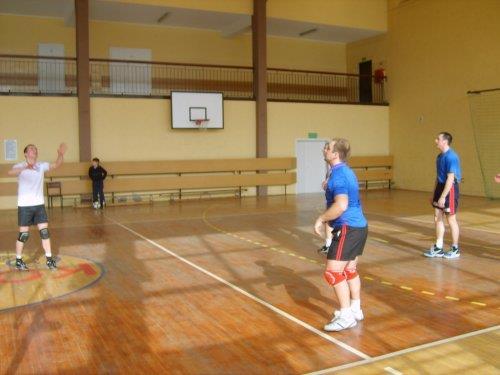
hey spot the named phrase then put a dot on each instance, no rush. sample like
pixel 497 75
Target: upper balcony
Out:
pixel 41 75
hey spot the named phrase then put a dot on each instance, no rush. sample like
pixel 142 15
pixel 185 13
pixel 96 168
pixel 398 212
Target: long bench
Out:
pixel 373 170
pixel 170 175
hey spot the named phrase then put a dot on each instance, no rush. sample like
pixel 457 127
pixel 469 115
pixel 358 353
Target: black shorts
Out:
pixel 347 243
pixel 451 201
pixel 31 215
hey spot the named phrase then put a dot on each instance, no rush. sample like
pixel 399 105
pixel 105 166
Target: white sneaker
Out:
pixel 340 323
pixel 358 315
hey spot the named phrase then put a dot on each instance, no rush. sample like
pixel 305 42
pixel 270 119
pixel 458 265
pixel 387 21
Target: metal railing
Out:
pixel 40 75
pixel 143 78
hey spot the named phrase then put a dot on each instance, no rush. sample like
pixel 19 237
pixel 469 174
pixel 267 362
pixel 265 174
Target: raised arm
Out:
pixel 60 156
pixel 16 170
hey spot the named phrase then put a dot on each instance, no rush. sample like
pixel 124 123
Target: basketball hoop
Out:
pixel 201 124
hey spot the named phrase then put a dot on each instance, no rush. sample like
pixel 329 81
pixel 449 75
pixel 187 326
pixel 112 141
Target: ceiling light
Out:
pixel 163 17
pixel 310 31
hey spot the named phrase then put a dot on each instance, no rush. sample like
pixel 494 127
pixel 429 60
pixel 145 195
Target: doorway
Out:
pixel 311 168
pixel 365 81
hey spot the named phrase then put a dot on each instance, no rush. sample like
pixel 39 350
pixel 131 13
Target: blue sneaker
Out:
pixel 434 252
pixel 453 253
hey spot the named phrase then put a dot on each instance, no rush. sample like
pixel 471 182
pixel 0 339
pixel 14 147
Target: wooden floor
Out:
pixel 235 286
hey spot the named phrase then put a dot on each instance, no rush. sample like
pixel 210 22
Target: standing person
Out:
pixel 31 202
pixel 97 174
pixel 350 230
pixel 445 200
pixel 328 230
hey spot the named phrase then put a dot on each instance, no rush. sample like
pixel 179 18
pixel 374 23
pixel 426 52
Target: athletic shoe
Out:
pixel 434 252
pixel 323 250
pixel 339 324
pixel 51 263
pixel 358 315
pixel 20 265
pixel 453 253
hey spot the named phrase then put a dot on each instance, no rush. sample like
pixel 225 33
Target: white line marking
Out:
pixel 251 296
pixel 390 370
pixel 405 351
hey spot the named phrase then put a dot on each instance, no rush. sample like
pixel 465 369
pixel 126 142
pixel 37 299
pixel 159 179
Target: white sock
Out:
pixel 346 313
pixel 355 304
pixel 48 255
pixel 439 243
pixel 19 257
pixel 328 242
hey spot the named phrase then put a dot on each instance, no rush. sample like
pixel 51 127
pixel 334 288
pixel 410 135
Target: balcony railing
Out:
pixel 39 75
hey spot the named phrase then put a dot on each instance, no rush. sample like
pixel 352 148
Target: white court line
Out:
pixel 390 370
pixel 405 351
pixel 247 294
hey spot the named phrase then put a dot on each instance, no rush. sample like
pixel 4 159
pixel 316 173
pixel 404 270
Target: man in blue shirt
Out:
pixel 445 200
pixel 350 230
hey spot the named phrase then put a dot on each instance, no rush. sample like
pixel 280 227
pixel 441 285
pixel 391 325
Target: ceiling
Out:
pixel 228 24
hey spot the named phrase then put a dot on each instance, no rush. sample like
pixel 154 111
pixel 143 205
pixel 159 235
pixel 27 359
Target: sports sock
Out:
pixel 439 243
pixel 355 304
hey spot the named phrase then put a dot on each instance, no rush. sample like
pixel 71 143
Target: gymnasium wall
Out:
pixel 436 52
pixel 139 129
pixel 21 35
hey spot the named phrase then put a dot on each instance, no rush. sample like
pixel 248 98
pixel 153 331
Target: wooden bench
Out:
pixel 159 176
pixel 373 170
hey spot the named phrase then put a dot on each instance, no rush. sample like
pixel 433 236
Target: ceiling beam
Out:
pixel 236 28
pixel 69 14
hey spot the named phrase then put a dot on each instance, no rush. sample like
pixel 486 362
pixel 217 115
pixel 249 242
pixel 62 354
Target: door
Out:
pixel 130 78
pixel 311 166
pixel 365 82
pixel 51 72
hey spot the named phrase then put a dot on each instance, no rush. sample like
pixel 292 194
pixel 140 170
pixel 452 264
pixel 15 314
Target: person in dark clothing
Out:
pixel 97 174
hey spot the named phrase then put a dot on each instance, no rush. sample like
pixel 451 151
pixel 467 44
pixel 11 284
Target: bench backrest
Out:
pixel 142 176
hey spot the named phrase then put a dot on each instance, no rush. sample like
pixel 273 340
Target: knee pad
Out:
pixel 350 273
pixel 333 278
pixel 44 233
pixel 23 236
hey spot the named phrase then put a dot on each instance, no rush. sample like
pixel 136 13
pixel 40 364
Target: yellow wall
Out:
pixel 21 35
pixel 44 121
pixel 375 49
pixel 139 129
pixel 439 51
pixel 169 44
pixel 367 127
pixel 436 51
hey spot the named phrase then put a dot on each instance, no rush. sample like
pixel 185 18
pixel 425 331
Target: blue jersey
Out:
pixel 448 162
pixel 343 181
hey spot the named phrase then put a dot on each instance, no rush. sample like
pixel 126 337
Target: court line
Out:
pixel 247 294
pixel 405 351
pixel 392 371
pixel 387 283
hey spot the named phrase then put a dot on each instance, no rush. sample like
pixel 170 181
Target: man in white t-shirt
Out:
pixel 31 202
